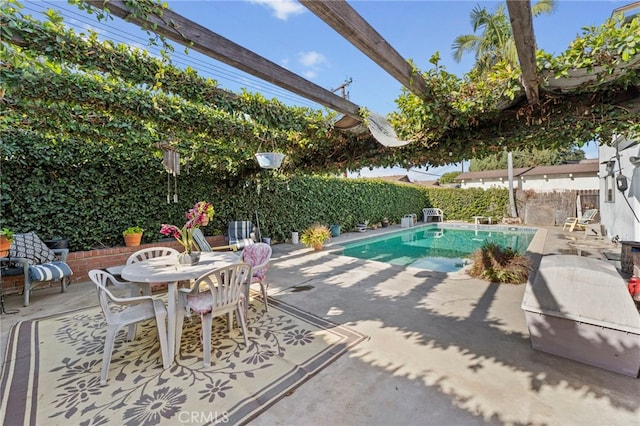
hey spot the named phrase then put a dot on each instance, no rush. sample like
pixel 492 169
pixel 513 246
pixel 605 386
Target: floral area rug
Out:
pixel 53 364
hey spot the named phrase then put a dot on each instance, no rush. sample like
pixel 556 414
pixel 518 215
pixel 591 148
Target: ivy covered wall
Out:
pixel 90 193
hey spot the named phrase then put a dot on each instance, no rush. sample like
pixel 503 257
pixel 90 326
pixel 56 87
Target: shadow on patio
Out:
pixel 438 351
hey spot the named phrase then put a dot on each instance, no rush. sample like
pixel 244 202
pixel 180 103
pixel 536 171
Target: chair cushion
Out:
pixel 201 303
pixel 256 255
pixel 243 242
pixel 240 230
pixel 158 286
pixel 259 274
pixel 31 247
pixel 49 271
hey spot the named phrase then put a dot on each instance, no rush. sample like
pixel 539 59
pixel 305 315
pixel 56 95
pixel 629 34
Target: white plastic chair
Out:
pixel 134 289
pixel 135 309
pixel 432 212
pixel 258 256
pixel 218 292
pixel 146 289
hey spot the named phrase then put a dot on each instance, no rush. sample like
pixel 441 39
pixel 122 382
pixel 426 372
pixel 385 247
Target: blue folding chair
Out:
pixel 241 233
pixel 203 244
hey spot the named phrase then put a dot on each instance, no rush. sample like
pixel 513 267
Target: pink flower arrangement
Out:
pixel 200 215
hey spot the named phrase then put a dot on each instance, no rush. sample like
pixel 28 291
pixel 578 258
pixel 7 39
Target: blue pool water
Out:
pixel 437 248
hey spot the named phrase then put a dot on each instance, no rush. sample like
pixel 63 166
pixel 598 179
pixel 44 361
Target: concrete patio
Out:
pixel 441 349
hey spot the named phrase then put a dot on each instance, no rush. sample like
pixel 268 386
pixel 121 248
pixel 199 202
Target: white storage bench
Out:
pixel 579 308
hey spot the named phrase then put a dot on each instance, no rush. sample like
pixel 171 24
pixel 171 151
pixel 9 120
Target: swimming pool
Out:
pixel 441 248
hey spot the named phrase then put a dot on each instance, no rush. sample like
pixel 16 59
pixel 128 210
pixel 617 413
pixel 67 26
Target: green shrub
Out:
pixel 495 264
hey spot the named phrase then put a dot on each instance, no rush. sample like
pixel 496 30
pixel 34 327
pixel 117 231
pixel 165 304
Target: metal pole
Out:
pixel 512 201
pixel 258 226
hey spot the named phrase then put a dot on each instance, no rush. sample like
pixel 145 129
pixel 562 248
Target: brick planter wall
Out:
pixel 81 262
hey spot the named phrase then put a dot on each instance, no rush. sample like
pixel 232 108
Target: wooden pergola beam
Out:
pixel 194 36
pixel 348 23
pixel 522 27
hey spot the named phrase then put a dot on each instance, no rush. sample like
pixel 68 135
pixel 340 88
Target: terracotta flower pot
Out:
pixel 4 246
pixel 317 246
pixel 132 240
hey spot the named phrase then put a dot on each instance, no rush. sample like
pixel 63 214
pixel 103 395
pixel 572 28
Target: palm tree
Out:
pixel 496 42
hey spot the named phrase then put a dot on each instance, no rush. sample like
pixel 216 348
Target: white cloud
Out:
pixel 309 74
pixel 313 62
pixel 282 9
pixel 311 59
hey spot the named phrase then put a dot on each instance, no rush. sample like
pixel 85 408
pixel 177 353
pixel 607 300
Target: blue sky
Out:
pixel 288 34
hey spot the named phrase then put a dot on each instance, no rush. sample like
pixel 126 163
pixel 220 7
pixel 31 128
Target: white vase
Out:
pixel 189 258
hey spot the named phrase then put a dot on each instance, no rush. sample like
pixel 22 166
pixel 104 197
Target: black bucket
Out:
pixel 59 243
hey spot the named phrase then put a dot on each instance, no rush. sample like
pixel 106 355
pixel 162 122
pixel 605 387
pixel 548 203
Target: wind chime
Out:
pixel 171 163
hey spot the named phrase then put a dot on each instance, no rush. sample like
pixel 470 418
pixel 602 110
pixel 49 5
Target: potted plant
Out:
pixel 200 215
pixel 315 236
pixel 6 238
pixel 132 236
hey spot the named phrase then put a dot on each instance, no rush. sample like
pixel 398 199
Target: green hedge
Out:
pixel 89 193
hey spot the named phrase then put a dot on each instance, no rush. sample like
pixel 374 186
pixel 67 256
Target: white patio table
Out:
pixel 478 219
pixel 165 270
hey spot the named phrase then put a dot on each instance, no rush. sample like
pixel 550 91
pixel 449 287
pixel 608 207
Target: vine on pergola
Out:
pixel 97 91
pixel 473 110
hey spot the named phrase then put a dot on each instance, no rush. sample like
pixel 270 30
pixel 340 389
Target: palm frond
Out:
pixel 463 44
pixel 544 6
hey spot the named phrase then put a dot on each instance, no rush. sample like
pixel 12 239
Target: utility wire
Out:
pixel 206 68
pixel 424 173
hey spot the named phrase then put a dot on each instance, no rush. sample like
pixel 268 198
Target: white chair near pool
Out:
pixel 430 212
